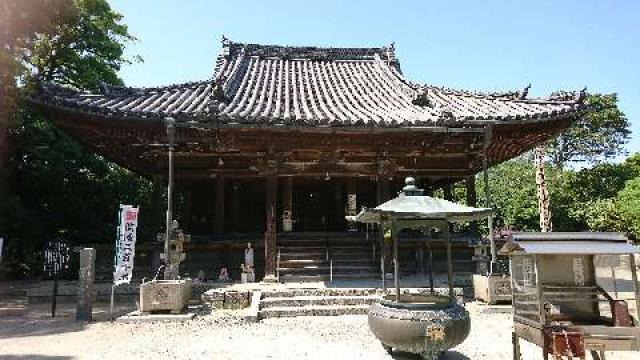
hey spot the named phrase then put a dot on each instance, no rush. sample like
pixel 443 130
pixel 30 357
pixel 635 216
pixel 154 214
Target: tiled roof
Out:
pixel 265 85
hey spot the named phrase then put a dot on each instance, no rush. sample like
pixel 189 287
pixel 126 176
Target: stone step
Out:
pixel 299 301
pixel 350 256
pixel 321 292
pixel 316 310
pixel 303 254
pixel 341 268
pixel 287 263
pixel 314 278
pixel 301 248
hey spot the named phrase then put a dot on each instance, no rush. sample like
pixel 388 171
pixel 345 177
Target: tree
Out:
pixel 627 206
pixel 61 188
pixel 599 135
pixel 514 193
pixel 586 194
pixel 83 52
pixel 20 21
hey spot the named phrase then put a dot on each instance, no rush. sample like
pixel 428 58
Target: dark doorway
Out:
pixel 317 205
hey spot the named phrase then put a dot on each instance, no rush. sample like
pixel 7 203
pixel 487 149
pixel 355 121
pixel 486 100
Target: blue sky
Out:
pixel 475 45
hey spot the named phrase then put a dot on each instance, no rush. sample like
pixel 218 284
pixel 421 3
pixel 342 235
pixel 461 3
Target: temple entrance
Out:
pixel 318 205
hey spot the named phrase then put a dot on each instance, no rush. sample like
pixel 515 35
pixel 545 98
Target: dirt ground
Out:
pixel 225 335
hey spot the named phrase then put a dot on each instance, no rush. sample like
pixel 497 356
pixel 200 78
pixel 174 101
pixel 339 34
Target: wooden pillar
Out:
pixel 84 308
pixel 287 204
pixel 218 217
pixel 382 190
pixel 270 231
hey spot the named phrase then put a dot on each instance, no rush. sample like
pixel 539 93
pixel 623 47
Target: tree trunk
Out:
pixel 543 194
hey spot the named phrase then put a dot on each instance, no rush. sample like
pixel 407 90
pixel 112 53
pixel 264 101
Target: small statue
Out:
pixel 224 275
pixel 200 278
pixel 248 257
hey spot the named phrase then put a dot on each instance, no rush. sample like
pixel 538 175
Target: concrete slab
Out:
pixel 136 316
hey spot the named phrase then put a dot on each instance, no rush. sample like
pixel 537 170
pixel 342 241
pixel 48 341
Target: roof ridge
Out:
pixel 230 48
pixel 106 89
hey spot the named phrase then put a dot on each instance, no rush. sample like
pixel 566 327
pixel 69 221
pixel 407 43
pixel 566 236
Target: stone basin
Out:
pixel 422 324
pixel 165 295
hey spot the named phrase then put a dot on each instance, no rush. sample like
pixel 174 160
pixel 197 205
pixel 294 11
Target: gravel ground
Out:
pixel 225 335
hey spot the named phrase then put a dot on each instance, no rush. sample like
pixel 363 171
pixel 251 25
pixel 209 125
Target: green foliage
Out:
pixel 599 135
pixel 605 197
pixel 585 195
pixel 87 49
pixel 627 207
pixel 513 193
pixel 62 190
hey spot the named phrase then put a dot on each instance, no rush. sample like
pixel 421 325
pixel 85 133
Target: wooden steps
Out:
pixel 309 257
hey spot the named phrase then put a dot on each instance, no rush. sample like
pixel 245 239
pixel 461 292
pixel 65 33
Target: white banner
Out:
pixel 125 245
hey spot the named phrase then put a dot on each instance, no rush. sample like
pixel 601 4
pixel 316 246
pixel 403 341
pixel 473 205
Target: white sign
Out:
pixel 351 204
pixel 125 245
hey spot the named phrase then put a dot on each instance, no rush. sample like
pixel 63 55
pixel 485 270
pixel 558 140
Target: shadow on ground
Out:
pixel 14 327
pixel 448 355
pixel 34 357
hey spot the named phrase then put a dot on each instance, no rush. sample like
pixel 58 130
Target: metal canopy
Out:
pixel 412 210
pixel 585 243
pixel 412 205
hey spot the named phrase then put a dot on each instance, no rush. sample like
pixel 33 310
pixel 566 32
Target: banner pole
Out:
pixel 111 308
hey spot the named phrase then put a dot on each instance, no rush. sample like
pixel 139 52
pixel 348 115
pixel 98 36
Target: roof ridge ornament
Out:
pixel 422 98
pixel 522 95
pixel 581 96
pixel 225 40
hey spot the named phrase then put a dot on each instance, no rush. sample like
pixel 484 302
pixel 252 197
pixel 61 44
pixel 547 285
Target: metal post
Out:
pixel 539 292
pixel 450 265
pixel 430 263
pixel 112 303
pixel 54 299
pixel 331 270
pixel 613 280
pixel 170 123
pixel 382 257
pixel 487 196
pixel 396 266
pixel 634 277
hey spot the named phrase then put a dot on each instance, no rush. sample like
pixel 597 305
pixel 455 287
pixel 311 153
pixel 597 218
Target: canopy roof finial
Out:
pixel 410 188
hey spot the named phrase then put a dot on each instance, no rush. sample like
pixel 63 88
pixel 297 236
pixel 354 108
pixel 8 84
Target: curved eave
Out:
pixel 199 121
